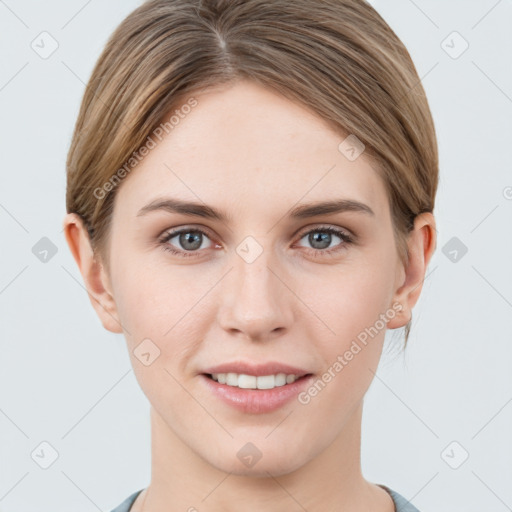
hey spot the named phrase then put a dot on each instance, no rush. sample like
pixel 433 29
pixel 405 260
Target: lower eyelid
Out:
pixel 332 251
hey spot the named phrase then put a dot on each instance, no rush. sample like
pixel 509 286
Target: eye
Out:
pixel 189 241
pixel 322 237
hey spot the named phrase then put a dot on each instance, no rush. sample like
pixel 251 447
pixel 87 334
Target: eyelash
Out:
pixel 345 237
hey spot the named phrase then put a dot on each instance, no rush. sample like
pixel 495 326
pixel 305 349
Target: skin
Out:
pixel 253 154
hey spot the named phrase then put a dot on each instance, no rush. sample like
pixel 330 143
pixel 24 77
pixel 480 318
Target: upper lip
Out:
pixel 269 368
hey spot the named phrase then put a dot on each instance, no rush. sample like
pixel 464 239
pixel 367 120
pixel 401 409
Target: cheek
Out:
pixel 139 302
pixel 163 305
pixel 158 314
pixel 354 305
pixel 145 291
pixel 350 298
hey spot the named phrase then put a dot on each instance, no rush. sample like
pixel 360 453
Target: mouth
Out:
pixel 251 394
pixel 251 369
pixel 253 382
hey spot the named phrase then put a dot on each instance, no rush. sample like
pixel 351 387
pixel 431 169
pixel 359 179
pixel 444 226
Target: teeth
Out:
pixel 252 382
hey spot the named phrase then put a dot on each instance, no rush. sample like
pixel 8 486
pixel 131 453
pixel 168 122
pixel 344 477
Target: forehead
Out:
pixel 254 148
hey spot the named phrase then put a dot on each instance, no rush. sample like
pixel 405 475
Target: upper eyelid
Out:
pixel 172 232
pixel 308 229
pixel 207 230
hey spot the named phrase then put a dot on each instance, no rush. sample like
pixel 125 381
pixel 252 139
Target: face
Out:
pixel 257 285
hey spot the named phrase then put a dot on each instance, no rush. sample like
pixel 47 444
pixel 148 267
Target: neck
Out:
pixel 330 480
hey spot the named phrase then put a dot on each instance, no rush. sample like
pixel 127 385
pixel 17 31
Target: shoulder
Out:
pixel 401 504
pixel 127 503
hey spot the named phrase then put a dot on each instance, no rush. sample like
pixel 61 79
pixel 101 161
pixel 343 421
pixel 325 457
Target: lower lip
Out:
pixel 256 401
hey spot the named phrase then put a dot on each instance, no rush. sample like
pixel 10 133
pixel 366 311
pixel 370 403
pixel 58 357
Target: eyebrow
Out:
pixel 299 212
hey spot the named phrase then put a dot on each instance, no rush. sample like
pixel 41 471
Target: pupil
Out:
pixel 188 238
pixel 325 240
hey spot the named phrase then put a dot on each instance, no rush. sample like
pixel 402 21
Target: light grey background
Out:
pixel 67 381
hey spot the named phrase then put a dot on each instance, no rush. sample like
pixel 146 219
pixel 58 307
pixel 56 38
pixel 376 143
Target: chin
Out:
pixel 264 467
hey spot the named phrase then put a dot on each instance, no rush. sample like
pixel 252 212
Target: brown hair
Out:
pixel 338 58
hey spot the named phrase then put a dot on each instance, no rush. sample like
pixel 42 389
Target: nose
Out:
pixel 256 300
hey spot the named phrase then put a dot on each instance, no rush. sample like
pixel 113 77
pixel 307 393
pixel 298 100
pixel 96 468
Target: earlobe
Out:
pixel 421 245
pixel 93 273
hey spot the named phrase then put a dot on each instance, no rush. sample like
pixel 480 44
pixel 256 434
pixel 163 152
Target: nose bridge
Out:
pixel 255 299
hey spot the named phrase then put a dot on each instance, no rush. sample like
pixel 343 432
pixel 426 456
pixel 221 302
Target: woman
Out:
pixel 250 198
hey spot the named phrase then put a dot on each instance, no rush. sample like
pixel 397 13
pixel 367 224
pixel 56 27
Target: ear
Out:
pixel 421 245
pixel 93 273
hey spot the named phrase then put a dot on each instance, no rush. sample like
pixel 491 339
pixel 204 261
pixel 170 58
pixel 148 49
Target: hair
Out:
pixel 338 58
